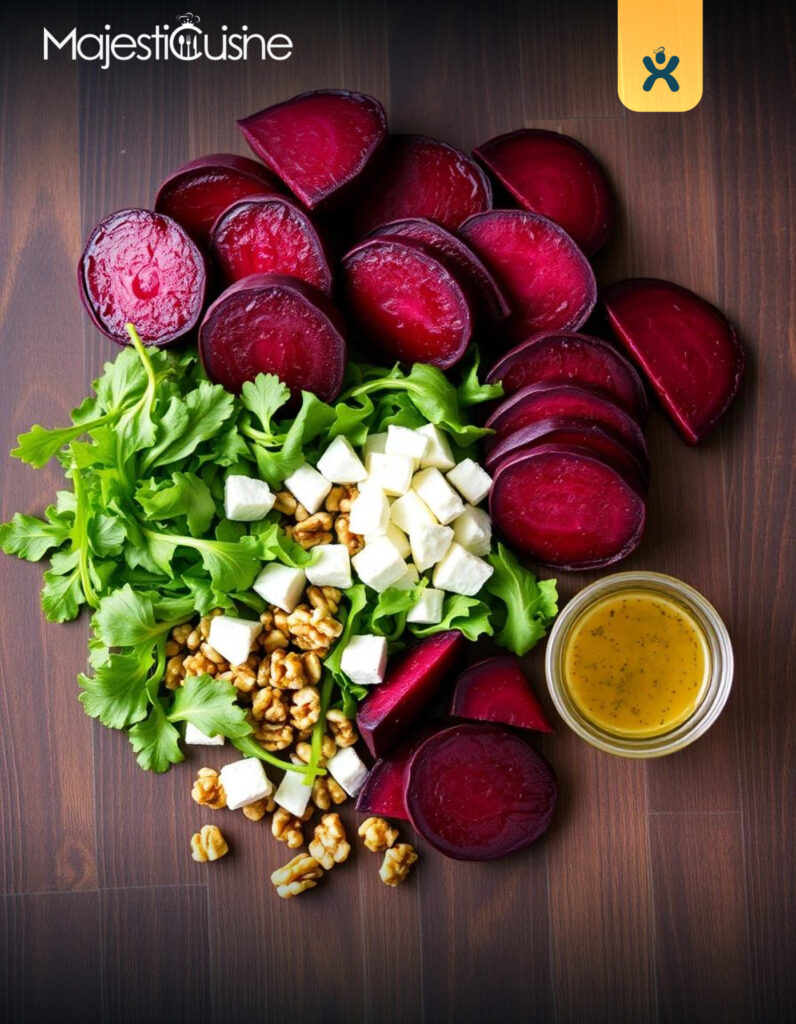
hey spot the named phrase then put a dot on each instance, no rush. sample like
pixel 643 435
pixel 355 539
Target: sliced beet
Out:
pixel 479 792
pixel 141 267
pixel 687 348
pixel 497 690
pixel 318 143
pixel 270 323
pixel 196 193
pixel 552 174
pixel 383 792
pixel 412 680
pixel 564 357
pixel 405 303
pixel 546 279
pixel 269 235
pixel 566 507
pixel 422 177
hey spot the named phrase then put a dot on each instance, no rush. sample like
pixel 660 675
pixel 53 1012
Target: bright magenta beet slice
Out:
pixel 383 792
pixel 270 323
pixel 269 235
pixel 546 279
pixel 391 708
pixel 687 349
pixel 141 267
pixel 422 177
pixel 196 193
pixel 318 143
pixel 553 174
pixel 497 690
pixel 405 303
pixel 566 507
pixel 479 792
pixel 565 357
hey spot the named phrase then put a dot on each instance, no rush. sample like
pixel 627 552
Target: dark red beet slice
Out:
pixel 318 143
pixel 422 177
pixel 141 267
pixel 412 680
pixel 479 792
pixel 496 690
pixel 554 175
pixel 383 792
pixel 564 357
pixel 196 193
pixel 566 507
pixel 269 235
pixel 686 347
pixel 405 303
pixel 269 323
pixel 547 280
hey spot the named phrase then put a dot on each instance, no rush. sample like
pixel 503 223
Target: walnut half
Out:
pixel 297 876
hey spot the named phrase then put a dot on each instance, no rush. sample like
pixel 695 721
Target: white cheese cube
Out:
pixel 245 782
pixel 460 572
pixel 429 544
pixel 403 441
pixel 393 473
pixel 428 607
pixel 364 659
pixel 247 499
pixel 370 511
pixel 292 794
pixel 470 480
pixel 396 537
pixel 309 487
pixel 280 585
pixel 341 464
pixel 374 443
pixel 232 637
pixel 432 487
pixel 408 512
pixel 409 578
pixel 331 568
pixel 379 565
pixel 473 530
pixel 347 769
pixel 438 454
pixel 198 738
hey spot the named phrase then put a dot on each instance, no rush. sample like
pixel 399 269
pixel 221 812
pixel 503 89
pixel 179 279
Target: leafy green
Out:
pixel 471 391
pixel 211 706
pixel 156 741
pixel 469 615
pixel 31 538
pixel 529 605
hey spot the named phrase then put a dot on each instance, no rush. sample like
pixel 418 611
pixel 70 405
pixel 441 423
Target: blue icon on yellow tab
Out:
pixel 665 73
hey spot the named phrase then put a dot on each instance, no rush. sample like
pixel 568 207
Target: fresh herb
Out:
pixel 528 605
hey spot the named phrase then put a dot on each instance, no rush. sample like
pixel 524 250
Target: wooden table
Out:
pixel 664 890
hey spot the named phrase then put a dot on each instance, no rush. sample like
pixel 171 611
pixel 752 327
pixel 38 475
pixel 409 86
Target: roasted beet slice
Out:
pixel 686 347
pixel 412 680
pixel 552 174
pixel 422 177
pixel 566 507
pixel 269 323
pixel 479 792
pixel 546 279
pixel 564 357
pixel 405 303
pixel 196 193
pixel 383 792
pixel 141 267
pixel 269 235
pixel 497 690
pixel 318 143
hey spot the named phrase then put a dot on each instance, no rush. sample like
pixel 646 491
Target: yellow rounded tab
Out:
pixel 660 54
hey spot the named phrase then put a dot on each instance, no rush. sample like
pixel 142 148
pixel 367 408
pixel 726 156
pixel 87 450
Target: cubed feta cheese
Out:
pixel 347 769
pixel 292 794
pixel 393 473
pixel 378 564
pixel 408 512
pixel 470 480
pixel 374 443
pixel 460 572
pixel 473 530
pixel 232 637
pixel 428 607
pixel 280 585
pixel 403 441
pixel 432 487
pixel 429 544
pixel 341 464
pixel 331 568
pixel 245 782
pixel 309 487
pixel 198 738
pixel 438 454
pixel 247 499
pixel 396 537
pixel 364 659
pixel 409 578
pixel 370 511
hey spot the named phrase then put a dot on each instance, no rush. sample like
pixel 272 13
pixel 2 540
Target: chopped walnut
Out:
pixel 175 672
pixel 204 622
pixel 330 846
pixel 181 633
pixel 353 541
pixel 193 640
pixel 328 749
pixel 207 789
pixel 273 640
pixel 199 664
pixel 284 669
pixel 345 735
pixel 397 862
pixel 297 876
pixel 258 810
pixel 377 834
pixel 326 791
pixel 286 828
pixel 285 503
pixel 268 705
pixel 273 736
pixel 339 499
pixel 306 708
pixel 212 654
pixel 313 630
pixel 315 529
pixel 208 844
pixel 313 669
pixel 326 598
pixel 243 677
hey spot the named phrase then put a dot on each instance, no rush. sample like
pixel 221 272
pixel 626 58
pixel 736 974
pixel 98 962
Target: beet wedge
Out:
pixel 422 177
pixel 141 267
pixel 412 680
pixel 686 348
pixel 405 303
pixel 546 279
pixel 497 690
pixel 270 323
pixel 479 792
pixel 566 507
pixel 552 174
pixel 383 792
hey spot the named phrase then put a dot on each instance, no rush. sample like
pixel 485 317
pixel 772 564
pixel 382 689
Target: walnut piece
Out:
pixel 297 876
pixel 268 705
pixel 330 846
pixel 326 791
pixel 313 629
pixel 286 828
pixel 397 862
pixel 285 503
pixel 353 541
pixel 315 529
pixel 345 735
pixel 306 709
pixel 340 498
pixel 273 736
pixel 208 844
pixel 207 789
pixel 377 834
pixel 258 810
pixel 328 749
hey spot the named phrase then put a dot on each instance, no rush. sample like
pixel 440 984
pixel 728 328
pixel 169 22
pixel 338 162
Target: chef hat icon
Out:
pixel 188 18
